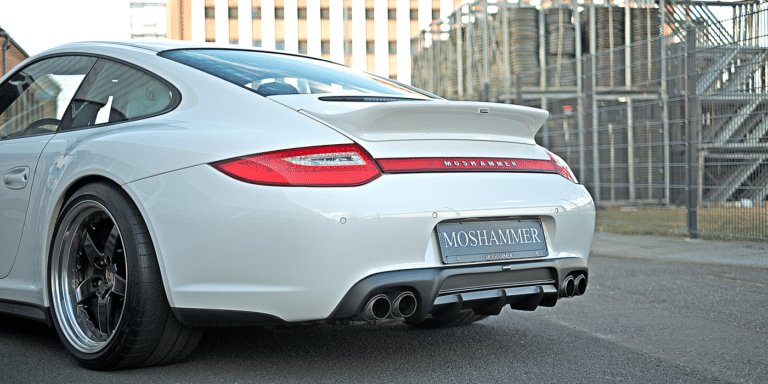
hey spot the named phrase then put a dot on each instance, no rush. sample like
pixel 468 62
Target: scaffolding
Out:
pixel 653 103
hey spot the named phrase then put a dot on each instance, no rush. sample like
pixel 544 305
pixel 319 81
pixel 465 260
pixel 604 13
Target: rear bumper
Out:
pixel 440 292
pixel 263 254
pixel 444 292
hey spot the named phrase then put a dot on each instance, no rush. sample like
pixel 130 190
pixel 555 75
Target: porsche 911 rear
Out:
pixel 155 188
pixel 424 209
pixel 415 238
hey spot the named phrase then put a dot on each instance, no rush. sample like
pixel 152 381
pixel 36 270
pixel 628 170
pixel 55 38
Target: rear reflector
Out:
pixel 325 166
pixel 465 164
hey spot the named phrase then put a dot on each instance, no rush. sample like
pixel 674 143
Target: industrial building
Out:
pixel 369 35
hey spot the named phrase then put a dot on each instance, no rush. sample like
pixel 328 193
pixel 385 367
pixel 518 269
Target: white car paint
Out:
pixel 227 245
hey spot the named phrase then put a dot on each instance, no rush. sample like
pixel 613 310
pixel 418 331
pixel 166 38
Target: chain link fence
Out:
pixel 660 108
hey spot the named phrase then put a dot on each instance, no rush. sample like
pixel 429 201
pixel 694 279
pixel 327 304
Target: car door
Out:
pixel 32 104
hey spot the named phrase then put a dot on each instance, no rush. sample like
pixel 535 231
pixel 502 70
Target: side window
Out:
pixel 33 101
pixel 114 92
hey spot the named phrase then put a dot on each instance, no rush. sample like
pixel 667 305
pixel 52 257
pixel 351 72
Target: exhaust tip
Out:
pixel 581 284
pixel 404 305
pixel 568 287
pixel 378 308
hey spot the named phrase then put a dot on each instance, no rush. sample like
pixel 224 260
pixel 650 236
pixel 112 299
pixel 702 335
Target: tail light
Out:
pixel 325 166
pixel 562 167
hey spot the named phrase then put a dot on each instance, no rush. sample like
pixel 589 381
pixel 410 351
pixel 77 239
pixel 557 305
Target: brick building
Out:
pixel 12 53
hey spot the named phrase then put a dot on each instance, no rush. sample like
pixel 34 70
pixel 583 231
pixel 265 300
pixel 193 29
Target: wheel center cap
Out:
pixel 110 277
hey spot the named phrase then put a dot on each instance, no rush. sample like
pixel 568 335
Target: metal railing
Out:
pixel 669 132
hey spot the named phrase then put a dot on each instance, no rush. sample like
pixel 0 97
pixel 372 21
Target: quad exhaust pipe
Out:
pixel 573 286
pixel 380 307
pixel 404 305
pixel 581 284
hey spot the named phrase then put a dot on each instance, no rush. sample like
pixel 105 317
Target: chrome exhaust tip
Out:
pixel 581 284
pixel 378 308
pixel 404 305
pixel 568 287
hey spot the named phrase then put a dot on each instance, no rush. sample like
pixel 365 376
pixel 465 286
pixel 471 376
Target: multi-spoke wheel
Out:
pixel 108 301
pixel 89 282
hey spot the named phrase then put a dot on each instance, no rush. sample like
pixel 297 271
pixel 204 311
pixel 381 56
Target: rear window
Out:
pixel 278 74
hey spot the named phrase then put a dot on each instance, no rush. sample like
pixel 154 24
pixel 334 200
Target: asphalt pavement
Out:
pixel 657 310
pixel 732 253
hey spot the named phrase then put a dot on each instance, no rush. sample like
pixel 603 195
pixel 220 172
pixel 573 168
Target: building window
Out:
pixel 392 14
pixel 257 43
pixel 370 47
pixel 414 14
pixel 210 12
pixel 325 14
pixel 280 45
pixel 392 47
pixel 232 12
pixel 435 14
pixel 369 13
pixel 279 13
pixel 302 13
pixel 210 40
pixel 325 47
pixel 393 77
pixel 303 47
pixel 256 13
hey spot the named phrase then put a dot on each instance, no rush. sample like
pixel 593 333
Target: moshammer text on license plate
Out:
pixel 473 241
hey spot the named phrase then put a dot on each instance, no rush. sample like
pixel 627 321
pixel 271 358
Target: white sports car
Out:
pixel 152 189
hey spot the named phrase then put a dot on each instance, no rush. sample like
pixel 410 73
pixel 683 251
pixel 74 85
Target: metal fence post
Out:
pixel 693 127
pixel 591 104
pixel 580 95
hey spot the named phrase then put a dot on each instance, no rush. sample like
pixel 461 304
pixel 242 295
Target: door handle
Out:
pixel 16 178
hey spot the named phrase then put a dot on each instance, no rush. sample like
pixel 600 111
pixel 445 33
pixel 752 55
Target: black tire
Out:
pixel 108 302
pixel 465 318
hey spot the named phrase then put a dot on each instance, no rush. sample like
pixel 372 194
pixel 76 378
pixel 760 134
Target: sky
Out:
pixel 41 24
pixel 37 25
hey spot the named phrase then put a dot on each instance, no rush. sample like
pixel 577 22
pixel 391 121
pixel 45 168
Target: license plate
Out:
pixel 476 241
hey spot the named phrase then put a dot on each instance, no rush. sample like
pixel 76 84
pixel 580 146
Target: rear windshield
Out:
pixel 278 74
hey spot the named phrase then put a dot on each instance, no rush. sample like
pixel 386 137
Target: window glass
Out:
pixel 33 101
pixel 210 12
pixel 280 45
pixel 369 14
pixel 392 14
pixel 292 74
pixel 301 13
pixel 325 47
pixel 232 12
pixel 325 13
pixel 370 47
pixel 256 13
pixel 392 45
pixel 414 14
pixel 114 92
pixel 303 47
pixel 279 13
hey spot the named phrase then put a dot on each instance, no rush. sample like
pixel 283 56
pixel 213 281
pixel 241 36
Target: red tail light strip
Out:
pixel 325 166
pixel 465 164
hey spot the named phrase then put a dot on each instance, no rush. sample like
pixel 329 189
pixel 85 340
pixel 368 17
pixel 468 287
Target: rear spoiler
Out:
pixel 439 120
